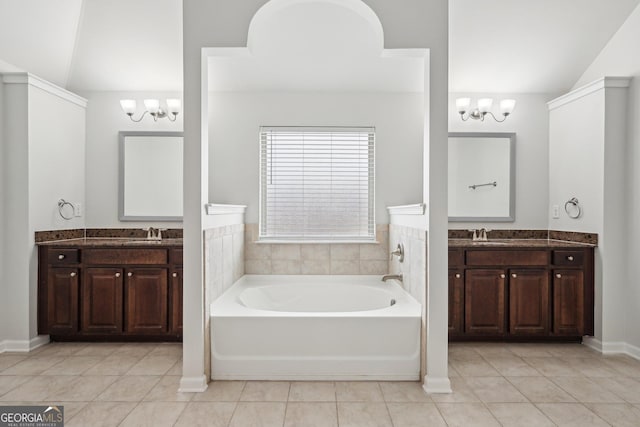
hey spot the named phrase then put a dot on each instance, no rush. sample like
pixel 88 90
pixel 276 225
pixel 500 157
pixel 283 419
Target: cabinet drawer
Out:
pixel 568 258
pixel 455 258
pixel 176 256
pixel 64 256
pixel 506 258
pixel 125 256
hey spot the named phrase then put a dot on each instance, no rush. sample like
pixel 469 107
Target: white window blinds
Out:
pixel 317 184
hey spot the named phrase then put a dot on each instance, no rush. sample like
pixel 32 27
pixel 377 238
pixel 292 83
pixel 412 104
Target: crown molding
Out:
pixel 35 81
pixel 589 88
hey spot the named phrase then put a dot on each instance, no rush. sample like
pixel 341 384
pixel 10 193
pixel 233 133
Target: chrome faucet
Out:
pixel 154 233
pixel 392 276
pixel 480 235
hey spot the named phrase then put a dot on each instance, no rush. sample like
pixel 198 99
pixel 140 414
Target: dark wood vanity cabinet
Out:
pixel 110 293
pixel 520 293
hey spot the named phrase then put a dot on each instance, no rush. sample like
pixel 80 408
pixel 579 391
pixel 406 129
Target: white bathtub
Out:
pixel 315 328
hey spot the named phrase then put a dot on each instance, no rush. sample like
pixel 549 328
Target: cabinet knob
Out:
pixel 570 258
pixel 502 276
pixel 117 274
pixel 129 274
pixel 73 274
pixel 514 275
pixel 176 275
pixel 559 276
pixel 61 256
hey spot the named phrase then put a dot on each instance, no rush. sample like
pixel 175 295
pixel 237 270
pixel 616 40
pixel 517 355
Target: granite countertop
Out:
pixel 106 241
pixel 517 243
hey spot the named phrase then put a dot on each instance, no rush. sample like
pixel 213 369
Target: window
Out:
pixel 317 184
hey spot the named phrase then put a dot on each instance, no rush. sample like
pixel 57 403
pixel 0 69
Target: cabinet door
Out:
pixel 102 300
pixel 484 302
pixel 568 302
pixel 176 301
pixel 456 304
pixel 147 300
pixel 62 310
pixel 529 302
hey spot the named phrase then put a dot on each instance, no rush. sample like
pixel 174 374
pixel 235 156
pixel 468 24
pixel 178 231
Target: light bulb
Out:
pixel 462 105
pixel 484 105
pixel 507 106
pixel 152 105
pixel 128 105
pixel 173 105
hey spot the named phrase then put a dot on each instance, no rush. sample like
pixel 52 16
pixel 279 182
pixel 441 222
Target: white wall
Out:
pixel 621 57
pixel 105 119
pixel 235 120
pixel 530 122
pixel 3 296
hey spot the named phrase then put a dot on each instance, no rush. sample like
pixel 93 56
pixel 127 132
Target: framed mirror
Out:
pixel 151 176
pixel 482 177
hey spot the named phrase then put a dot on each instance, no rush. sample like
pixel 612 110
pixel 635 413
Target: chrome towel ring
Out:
pixel 572 208
pixel 62 203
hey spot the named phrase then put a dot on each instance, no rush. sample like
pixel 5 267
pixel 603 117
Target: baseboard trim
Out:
pixel 436 385
pixel 23 346
pixel 193 384
pixel 615 347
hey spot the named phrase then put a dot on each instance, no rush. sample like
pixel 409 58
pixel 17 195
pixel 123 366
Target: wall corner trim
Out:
pixel 436 385
pixel 35 81
pixel 193 384
pixel 589 88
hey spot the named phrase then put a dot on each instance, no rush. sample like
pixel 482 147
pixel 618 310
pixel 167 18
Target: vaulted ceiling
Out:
pixel 495 45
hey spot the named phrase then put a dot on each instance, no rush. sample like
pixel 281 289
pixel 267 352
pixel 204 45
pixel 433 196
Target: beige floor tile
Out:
pixel 99 349
pixel 572 350
pixel 206 414
pixel 258 414
pixel 467 415
pixel 8 383
pixel 363 414
pixel 415 414
pixel 592 367
pixel 624 387
pixel 585 390
pixel 73 365
pixel 265 391
pixel 154 414
pixel 495 390
pixel 137 349
pixel 474 368
pixel 571 414
pixel 530 350
pixel 459 352
pixel 492 350
pixel 617 414
pixel 113 365
pixel 624 365
pixel 167 349
pixel 8 360
pixel 403 391
pixel 153 365
pixel 33 365
pixel 311 414
pixel 70 408
pixel 512 366
pixel 462 393
pixel 312 391
pixel 452 371
pixel 540 390
pixel 37 388
pixel 82 388
pixel 100 414
pixel 176 369
pixel 166 390
pixel 519 415
pixel 364 391
pixel 59 349
pixel 132 388
pixel 221 391
pixel 552 366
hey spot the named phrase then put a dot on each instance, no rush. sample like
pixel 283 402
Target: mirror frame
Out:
pixel 512 176
pixel 121 215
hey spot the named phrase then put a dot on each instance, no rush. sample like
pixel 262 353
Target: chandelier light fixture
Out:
pixel 484 108
pixel 152 106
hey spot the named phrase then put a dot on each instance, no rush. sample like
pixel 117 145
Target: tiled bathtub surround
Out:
pixel 223 265
pixel 414 266
pixel 307 258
